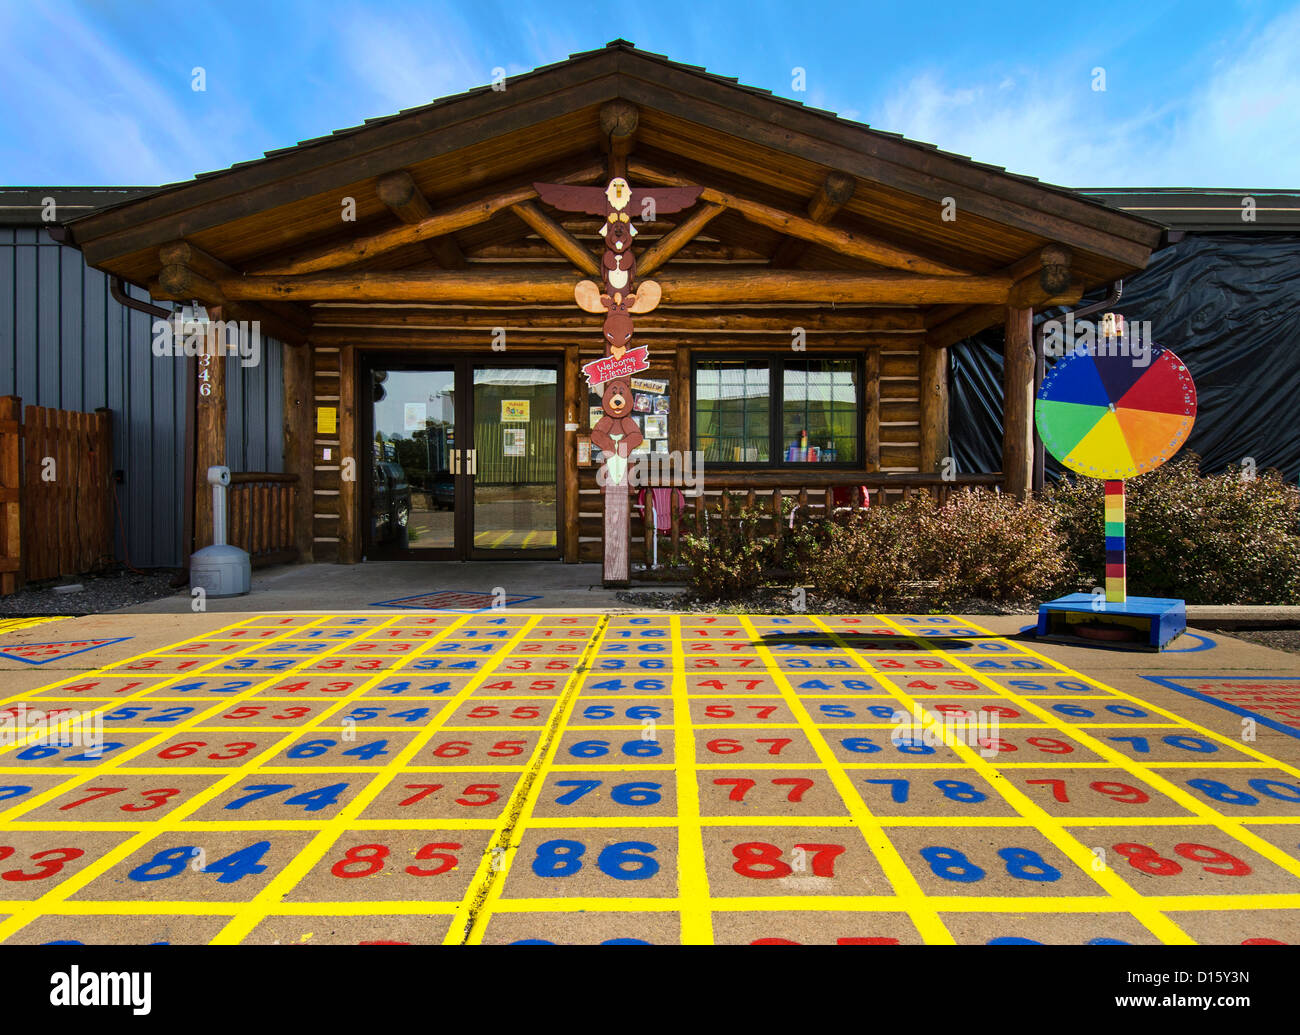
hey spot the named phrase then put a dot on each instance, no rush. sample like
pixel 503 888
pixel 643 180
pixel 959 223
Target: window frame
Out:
pixel 776 399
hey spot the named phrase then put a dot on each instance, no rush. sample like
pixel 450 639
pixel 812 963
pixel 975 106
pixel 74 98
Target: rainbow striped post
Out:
pixel 1116 561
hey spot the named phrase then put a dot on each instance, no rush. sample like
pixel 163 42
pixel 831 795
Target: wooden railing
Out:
pixel 56 493
pixel 261 516
pixel 812 493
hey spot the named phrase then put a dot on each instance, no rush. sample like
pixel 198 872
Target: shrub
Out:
pixel 1214 539
pixel 991 546
pixel 868 558
pixel 731 560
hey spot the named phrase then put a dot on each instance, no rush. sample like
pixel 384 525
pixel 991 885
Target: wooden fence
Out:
pixel 810 493
pixel 56 493
pixel 260 508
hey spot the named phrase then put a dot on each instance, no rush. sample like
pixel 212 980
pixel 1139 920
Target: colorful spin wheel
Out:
pixel 1114 413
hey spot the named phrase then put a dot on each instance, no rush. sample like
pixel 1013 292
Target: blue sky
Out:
pixel 1196 94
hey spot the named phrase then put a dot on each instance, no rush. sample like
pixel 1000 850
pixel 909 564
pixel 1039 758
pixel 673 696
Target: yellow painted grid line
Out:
pixel 578 822
pixel 692 874
pixel 470 921
pixel 808 902
pixel 887 856
pixel 287 879
pixel 1049 827
pixel 753 904
pixel 1229 825
pixel 74 883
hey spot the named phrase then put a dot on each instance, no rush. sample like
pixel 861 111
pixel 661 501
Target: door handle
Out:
pixel 455 461
pixel 471 461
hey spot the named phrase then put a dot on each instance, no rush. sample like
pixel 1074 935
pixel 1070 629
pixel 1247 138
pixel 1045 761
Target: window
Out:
pixel 760 411
pixel 733 412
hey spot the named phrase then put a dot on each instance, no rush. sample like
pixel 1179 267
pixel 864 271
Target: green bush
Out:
pixel 1214 539
pixel 731 560
pixel 870 557
pixel 990 546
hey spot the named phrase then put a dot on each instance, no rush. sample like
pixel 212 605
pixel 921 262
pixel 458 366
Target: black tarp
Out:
pixel 1229 306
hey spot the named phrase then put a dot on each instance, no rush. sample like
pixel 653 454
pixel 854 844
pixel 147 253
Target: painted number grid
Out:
pixel 551 778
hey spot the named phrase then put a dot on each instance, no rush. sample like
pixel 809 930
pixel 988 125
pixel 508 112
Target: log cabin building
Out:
pixel 433 405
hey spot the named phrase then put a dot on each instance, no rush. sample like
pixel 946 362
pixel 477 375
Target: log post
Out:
pixel 575 409
pixel 210 441
pixel 934 407
pixel 299 396
pixel 679 415
pixel 349 498
pixel 871 411
pixel 1018 401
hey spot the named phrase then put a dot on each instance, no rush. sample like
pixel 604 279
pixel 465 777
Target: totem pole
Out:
pixel 619 297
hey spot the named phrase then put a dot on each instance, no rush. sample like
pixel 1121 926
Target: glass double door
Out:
pixel 464 459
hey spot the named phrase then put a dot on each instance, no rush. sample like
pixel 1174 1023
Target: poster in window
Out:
pixel 513 443
pixel 414 416
pixel 515 411
pixel 656 426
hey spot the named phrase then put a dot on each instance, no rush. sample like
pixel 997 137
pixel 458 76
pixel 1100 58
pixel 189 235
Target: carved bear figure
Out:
pixel 617 432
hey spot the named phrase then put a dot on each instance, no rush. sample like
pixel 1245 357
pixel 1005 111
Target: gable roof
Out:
pixel 705 126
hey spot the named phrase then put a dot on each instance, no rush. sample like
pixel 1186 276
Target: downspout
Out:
pixel 1040 365
pixel 117 289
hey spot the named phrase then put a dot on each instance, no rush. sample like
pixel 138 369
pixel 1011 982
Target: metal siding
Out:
pixel 65 342
pixel 8 369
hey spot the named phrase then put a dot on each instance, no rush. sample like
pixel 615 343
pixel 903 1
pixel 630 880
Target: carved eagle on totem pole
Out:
pixel 620 295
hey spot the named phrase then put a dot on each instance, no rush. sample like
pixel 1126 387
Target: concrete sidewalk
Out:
pixel 358 587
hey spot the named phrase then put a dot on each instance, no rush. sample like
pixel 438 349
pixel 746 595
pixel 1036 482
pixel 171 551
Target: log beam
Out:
pixel 591 337
pixel 618 125
pixel 970 320
pixel 443 221
pixel 557 237
pixel 857 246
pixel 664 318
pixel 1043 278
pixel 1018 401
pixel 399 192
pixel 189 273
pixel 702 287
pixel 831 196
pixel 676 239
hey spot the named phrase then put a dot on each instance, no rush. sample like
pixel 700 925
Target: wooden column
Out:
pixel 1018 401
pixel 299 394
pixel 934 407
pixel 871 411
pixel 575 407
pixel 210 437
pixel 679 412
pixel 349 497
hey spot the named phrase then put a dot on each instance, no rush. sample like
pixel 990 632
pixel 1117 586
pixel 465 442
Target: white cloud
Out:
pixel 94 108
pixel 1239 129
